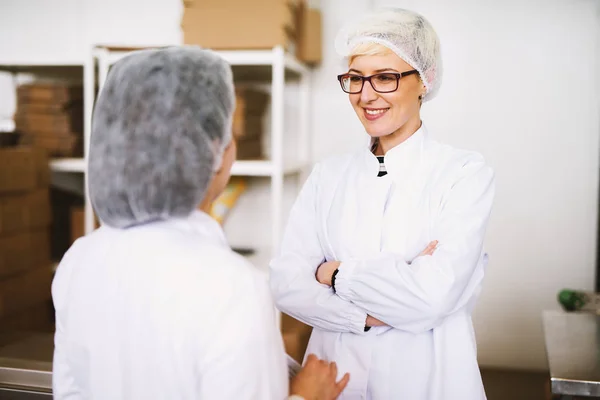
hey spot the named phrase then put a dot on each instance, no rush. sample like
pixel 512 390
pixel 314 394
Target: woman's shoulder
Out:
pixel 333 166
pixel 449 158
pixel 338 162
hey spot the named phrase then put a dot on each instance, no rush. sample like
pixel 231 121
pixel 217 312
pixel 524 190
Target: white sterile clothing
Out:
pixel 164 310
pixel 376 227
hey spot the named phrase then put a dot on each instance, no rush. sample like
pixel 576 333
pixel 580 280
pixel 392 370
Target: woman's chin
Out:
pixel 376 133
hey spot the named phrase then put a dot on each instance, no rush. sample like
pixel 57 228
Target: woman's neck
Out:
pixel 385 143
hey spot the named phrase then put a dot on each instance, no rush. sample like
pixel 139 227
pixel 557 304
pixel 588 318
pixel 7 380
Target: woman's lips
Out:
pixel 372 114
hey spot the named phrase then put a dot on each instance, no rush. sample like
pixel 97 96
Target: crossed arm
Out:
pixel 386 289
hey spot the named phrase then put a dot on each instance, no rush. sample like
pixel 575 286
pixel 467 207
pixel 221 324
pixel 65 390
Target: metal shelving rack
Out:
pixel 275 63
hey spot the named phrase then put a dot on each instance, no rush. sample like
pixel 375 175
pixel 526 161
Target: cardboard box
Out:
pixel 58 123
pixel 249 149
pixel 295 336
pixel 39 318
pixel 24 251
pixel 250 107
pixel 25 291
pixel 23 107
pixel 54 93
pixel 309 48
pixel 290 324
pixel 22 169
pixel 25 212
pixel 294 346
pixel 65 145
pixel 240 24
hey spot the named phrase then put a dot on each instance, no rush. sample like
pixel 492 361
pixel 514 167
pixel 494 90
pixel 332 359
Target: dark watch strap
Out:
pixel 333 279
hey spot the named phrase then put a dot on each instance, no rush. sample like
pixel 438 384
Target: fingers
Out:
pixel 341 385
pixel 311 359
pixel 429 249
pixel 333 370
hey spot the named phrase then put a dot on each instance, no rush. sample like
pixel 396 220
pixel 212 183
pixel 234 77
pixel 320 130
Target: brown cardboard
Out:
pixel 309 49
pixel 24 212
pixel 24 291
pixel 23 251
pixel 249 149
pixel 64 145
pixel 58 123
pixel 249 111
pixel 38 318
pixel 240 24
pixel 17 169
pixel 293 344
pixel 290 324
pixel 55 93
pixel 295 336
pixel 78 223
pixel 22 169
pixel 48 108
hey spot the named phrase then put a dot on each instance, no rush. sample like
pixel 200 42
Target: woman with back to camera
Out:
pixel 383 252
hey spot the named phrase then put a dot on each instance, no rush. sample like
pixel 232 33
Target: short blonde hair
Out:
pixel 368 49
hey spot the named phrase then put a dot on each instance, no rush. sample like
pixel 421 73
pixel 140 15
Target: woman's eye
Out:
pixel 355 79
pixel 385 78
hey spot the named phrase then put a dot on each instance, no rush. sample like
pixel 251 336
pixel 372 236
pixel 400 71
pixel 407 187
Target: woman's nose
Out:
pixel 368 93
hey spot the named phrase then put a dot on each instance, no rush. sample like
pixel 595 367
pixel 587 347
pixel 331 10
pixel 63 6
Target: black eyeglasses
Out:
pixel 381 83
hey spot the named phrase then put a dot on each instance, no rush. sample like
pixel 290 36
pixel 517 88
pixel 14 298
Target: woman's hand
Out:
pixel 316 380
pixel 372 321
pixel 429 249
pixel 325 272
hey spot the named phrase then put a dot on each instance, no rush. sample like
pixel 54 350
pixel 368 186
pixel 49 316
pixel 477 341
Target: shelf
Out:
pixel 39 64
pixel 233 57
pixel 262 168
pixel 68 165
pixel 240 168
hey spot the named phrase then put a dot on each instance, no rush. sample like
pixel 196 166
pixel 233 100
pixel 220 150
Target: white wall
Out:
pixel 521 87
pixel 63 31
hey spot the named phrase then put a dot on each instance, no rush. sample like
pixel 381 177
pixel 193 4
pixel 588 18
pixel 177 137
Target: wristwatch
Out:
pixel 333 279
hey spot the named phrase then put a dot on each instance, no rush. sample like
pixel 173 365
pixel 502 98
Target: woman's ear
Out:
pixel 423 92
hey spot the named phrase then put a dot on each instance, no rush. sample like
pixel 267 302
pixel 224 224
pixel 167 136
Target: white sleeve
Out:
pixel 417 297
pixel 63 379
pixel 293 283
pixel 245 358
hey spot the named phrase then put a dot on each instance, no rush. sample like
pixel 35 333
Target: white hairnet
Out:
pixel 406 33
pixel 159 130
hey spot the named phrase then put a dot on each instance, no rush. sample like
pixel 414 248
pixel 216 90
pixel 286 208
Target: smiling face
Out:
pixel 395 114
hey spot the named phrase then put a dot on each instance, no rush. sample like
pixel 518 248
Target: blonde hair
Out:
pixel 368 49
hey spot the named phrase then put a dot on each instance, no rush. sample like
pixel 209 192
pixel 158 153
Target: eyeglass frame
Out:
pixel 364 79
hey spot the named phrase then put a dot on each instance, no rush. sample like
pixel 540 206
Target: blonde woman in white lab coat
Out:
pixel 383 252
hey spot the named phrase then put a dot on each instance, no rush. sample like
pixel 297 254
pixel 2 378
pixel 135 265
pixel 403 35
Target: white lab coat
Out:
pixel 376 227
pixel 164 311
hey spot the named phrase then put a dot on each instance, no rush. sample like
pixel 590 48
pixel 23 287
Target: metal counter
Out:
pixel 572 348
pixel 26 368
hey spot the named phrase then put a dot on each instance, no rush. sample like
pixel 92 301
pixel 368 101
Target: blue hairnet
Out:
pixel 159 130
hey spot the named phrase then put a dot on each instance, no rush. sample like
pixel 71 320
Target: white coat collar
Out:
pixel 402 162
pixel 201 223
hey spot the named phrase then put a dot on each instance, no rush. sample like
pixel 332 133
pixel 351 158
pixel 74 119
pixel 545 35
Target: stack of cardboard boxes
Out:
pixel 260 24
pixel 248 124
pixel 50 116
pixel 25 217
